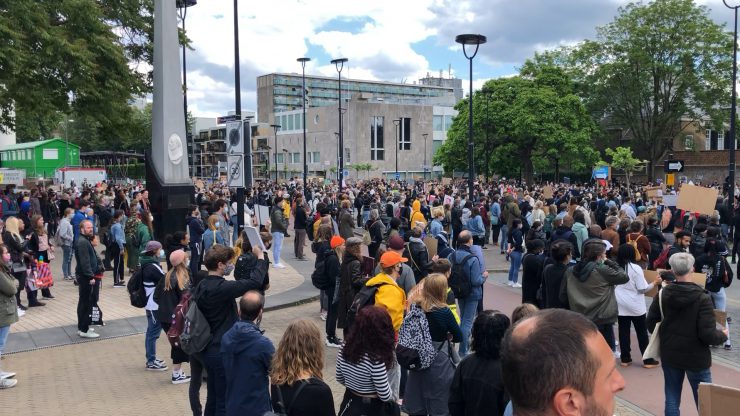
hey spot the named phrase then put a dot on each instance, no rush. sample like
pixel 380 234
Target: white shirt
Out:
pixel 630 295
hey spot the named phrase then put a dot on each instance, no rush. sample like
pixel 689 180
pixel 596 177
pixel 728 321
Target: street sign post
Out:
pixel 672 166
pixel 398 176
pixel 235 171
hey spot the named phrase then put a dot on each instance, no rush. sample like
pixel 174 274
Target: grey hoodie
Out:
pixel 588 288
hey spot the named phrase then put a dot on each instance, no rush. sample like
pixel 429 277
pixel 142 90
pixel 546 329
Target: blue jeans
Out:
pixel 467 309
pixel 216 383
pixel 516 262
pixel 673 378
pixel 67 254
pixel 153 328
pixel 4 331
pixel 277 245
pixel 719 299
pixel 504 236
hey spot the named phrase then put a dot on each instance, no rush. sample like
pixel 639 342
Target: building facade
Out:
pixel 40 159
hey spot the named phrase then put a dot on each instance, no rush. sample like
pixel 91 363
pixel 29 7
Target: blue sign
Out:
pixel 600 172
pixel 345 173
pixel 398 176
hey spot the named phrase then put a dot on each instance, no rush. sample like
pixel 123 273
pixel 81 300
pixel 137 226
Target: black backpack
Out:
pixel 136 291
pixel 309 229
pixel 365 297
pixel 460 282
pixel 319 278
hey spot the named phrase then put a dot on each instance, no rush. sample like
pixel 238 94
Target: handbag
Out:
pixel 18 267
pixel 43 276
pixel 285 409
pixel 653 348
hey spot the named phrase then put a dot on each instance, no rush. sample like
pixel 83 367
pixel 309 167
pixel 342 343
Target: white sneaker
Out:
pixel 278 266
pixel 88 334
pixel 8 383
pixel 323 315
pixel 516 285
pixel 21 312
pixel 6 374
pixel 180 378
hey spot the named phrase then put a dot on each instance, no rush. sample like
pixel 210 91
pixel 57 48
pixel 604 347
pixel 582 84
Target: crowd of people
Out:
pixel 401 271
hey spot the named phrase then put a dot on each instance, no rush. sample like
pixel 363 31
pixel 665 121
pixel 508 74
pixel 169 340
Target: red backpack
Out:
pixel 178 320
pixel 662 261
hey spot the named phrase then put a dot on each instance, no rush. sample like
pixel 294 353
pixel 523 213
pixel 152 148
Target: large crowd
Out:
pixel 401 271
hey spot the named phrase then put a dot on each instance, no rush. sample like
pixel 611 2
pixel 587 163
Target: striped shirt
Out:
pixel 365 378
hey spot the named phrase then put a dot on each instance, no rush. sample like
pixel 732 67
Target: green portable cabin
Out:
pixel 40 159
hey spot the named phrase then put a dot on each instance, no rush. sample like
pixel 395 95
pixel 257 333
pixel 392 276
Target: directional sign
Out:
pixel 226 119
pixel 235 171
pixel 673 166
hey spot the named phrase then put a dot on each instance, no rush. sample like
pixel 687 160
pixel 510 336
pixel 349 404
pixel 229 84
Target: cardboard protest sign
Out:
pixel 653 191
pixel 697 199
pixel 446 181
pixel 650 277
pixel 262 213
pixel 716 400
pixel 547 192
pixel 670 200
pixel 720 317
pixel 431 244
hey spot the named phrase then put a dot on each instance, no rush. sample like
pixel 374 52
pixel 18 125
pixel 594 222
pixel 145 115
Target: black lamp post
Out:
pixel 305 102
pixel 182 6
pixel 464 40
pixel 397 123
pixel 275 127
pixel 730 141
pixel 339 64
pixel 425 135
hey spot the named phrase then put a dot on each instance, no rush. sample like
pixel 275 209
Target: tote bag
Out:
pixel 653 348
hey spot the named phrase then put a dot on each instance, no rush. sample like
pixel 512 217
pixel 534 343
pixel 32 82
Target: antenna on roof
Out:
pixel 449 70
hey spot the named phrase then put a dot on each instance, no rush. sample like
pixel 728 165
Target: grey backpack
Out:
pixel 196 332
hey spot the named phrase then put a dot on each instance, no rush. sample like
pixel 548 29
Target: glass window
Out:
pixel 448 122
pixel 299 121
pixel 688 142
pixel 377 152
pixel 438 122
pixel 707 139
pixel 29 154
pixel 284 122
pixel 404 141
pixel 296 158
pixel 720 140
pixel 280 158
pixel 436 144
pixel 290 122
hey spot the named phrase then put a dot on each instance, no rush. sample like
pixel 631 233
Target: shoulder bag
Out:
pixel 653 348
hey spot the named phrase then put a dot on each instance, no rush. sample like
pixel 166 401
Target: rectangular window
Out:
pixel 28 154
pixel 347 158
pixel 707 139
pixel 283 123
pixel 448 122
pixel 720 141
pixel 688 142
pixel 295 158
pixel 50 154
pixel 404 138
pixel 313 157
pixel 290 122
pixel 299 121
pixel 280 158
pixel 377 151
pixel 438 123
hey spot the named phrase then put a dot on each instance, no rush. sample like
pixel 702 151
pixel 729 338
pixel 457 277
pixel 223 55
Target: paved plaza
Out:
pixel 102 376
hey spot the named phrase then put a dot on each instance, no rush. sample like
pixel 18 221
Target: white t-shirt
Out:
pixel 630 295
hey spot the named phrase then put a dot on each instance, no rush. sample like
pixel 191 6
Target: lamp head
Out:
pixel 303 60
pixel 339 63
pixel 185 3
pixel 732 4
pixel 470 39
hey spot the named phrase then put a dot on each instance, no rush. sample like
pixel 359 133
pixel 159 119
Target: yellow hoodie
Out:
pixel 416 214
pixel 389 296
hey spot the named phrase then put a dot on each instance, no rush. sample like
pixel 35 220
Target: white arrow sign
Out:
pixel 677 166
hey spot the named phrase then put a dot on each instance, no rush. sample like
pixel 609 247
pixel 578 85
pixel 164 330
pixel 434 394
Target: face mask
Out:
pixel 161 253
pixel 6 257
pixel 218 224
pixel 228 269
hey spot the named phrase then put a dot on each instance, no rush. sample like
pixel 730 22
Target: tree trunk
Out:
pixel 557 170
pixel 527 166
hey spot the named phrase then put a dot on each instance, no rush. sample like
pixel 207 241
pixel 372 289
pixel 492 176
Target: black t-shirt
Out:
pixel 314 400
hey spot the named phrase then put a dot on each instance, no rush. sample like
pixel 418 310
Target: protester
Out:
pixel 152 274
pixel 713 263
pixel 332 273
pixel 278 228
pixel 117 248
pixel 66 238
pixel 471 269
pixel 40 248
pixel 8 313
pixel 515 251
pixel 351 280
pixel 86 268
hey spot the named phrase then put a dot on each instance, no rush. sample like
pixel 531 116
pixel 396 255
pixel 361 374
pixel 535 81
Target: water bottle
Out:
pixel 41 259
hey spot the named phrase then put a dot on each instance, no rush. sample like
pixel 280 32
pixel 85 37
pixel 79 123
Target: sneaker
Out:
pixel 67 278
pixel 88 334
pixel 625 363
pixel 333 342
pixel 6 374
pixel 119 284
pixel 728 347
pixel 160 362
pixel 180 378
pixel 278 266
pixel 37 304
pixel 517 285
pixel 21 312
pixel 650 363
pixel 8 383
pixel 21 307
pixel 155 366
pixel 49 297
pixel 323 315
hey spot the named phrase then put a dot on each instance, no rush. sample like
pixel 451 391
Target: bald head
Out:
pixel 250 305
pixel 465 237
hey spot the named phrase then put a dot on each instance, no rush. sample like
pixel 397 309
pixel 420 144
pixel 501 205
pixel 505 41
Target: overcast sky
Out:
pixel 387 40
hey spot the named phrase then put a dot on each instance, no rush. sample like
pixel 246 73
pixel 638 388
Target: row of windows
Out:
pixel 441 123
pixel 377 124
pixel 294 158
pixel 26 154
pixel 361 86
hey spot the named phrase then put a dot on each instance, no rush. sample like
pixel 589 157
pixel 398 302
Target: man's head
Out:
pixel 390 263
pixel 681 264
pixel 465 238
pixel 216 259
pixel 86 228
pixel 251 305
pixel 683 239
pixel 612 222
pixel 557 362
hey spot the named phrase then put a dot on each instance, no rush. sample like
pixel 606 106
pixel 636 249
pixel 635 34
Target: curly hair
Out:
pixel 371 335
pixel 300 350
pixel 488 330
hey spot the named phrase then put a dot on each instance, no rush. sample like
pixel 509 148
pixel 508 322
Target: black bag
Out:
pixel 309 230
pixel 319 278
pixel 365 297
pixel 460 282
pixel 136 291
pixel 285 408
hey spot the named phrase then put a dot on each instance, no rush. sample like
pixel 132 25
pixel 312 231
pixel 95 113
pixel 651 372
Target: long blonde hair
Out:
pixel 12 226
pixel 301 350
pixel 434 292
pixel 181 274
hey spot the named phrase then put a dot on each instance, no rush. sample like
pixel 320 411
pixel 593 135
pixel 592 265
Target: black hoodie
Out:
pixel 688 326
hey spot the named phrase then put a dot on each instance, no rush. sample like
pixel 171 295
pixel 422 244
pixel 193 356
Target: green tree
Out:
pixel 655 64
pixel 531 118
pixel 623 159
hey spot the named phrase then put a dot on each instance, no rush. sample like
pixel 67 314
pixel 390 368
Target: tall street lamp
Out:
pixel 465 40
pixel 336 137
pixel 275 127
pixel 339 64
pixel 305 161
pixel 425 135
pixel 730 141
pixel 182 6
pixel 397 124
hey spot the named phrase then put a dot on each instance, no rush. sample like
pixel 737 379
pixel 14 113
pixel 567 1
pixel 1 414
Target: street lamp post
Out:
pixel 305 161
pixel 336 136
pixel 339 64
pixel 275 127
pixel 397 124
pixel 730 141
pixel 464 40
pixel 425 135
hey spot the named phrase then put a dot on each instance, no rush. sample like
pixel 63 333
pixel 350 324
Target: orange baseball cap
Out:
pixel 391 258
pixel 336 241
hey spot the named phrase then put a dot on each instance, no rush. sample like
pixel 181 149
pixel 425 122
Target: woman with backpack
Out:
pixel 714 264
pixel 167 295
pixel 320 246
pixel 297 386
pixel 427 390
pixel 351 280
pixel 631 306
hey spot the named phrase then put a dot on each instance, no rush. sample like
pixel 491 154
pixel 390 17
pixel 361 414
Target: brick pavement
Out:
pixel 108 377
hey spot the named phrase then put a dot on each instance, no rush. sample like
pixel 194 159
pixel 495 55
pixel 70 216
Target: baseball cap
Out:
pixel 336 241
pixel 152 246
pixel 391 258
pixel 396 243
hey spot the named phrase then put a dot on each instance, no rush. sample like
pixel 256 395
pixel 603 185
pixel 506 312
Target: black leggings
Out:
pixel 176 353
